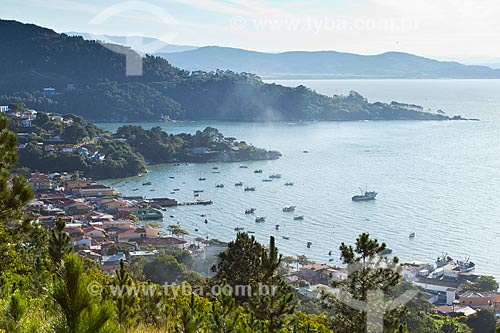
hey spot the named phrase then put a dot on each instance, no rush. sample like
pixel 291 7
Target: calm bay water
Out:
pixel 440 180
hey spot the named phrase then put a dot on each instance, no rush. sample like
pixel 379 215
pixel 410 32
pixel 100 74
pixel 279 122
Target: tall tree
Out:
pixel 81 311
pixel 226 316
pixel 273 297
pixel 59 242
pixel 15 193
pixel 125 302
pixel 240 264
pixel 484 321
pixel 368 272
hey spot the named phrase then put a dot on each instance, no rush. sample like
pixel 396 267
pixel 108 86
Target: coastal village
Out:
pixel 100 220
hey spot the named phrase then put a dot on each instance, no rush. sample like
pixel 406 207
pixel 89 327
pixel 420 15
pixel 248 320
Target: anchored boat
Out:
pixel 250 211
pixel 366 196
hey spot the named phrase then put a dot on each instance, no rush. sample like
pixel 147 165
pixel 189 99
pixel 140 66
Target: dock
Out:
pixel 168 202
pixel 197 202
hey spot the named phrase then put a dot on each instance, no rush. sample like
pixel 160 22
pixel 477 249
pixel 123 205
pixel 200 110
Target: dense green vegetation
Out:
pixel 33 58
pixel 120 159
pixel 125 153
pixel 158 146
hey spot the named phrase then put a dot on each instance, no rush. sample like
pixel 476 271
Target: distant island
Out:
pixel 61 74
pixel 54 143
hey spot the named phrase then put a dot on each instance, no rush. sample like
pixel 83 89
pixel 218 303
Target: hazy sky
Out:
pixel 438 28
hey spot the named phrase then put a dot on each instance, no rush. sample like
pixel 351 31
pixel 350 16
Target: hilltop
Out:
pixel 88 79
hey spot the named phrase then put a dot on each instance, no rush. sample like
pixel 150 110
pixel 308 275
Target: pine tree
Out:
pixel 59 242
pixel 225 316
pixel 15 310
pixel 191 316
pixel 273 297
pixel 81 311
pixel 15 193
pixel 402 328
pixel 125 303
pixel 240 264
pixel 367 272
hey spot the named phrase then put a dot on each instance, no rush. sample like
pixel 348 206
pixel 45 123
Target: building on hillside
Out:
pixel 96 190
pixel 162 242
pixel 198 150
pixel 49 91
pixel 40 182
pixel 455 310
pixel 4 108
pixel 481 300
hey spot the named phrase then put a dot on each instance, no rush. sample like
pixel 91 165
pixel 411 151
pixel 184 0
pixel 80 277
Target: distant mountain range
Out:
pixel 302 63
pixel 325 63
pixel 89 79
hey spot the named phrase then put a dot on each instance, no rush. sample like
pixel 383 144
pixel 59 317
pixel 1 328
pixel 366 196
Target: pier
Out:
pixel 198 202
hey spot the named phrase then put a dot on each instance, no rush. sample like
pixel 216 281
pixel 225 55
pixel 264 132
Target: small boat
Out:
pixel 331 259
pixel 298 218
pixel 260 219
pixel 275 176
pixel 243 166
pixel 198 191
pixel 465 265
pixel 176 189
pixel 309 244
pixel 196 194
pixel 385 251
pixel 366 196
pixel 135 189
pixel 152 190
pixel 257 171
pixel 215 171
pixel 305 151
pixel 146 183
pixel 238 184
pixel 289 208
pixel 249 189
pixel 172 192
pixel 251 232
pixel 172 216
pixel 411 235
pixel 443 260
pixel 289 184
pixel 216 167
pixel 171 177
pixel 203 215
pixel 201 178
pixel 330 253
pixel 219 185
pixel 239 228
pixel 277 227
pixel 285 237
pixel 196 230
pixel 250 211
pixel 267 180
pixel 206 221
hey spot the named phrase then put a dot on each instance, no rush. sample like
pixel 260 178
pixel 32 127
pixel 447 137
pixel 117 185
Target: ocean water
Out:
pixel 440 180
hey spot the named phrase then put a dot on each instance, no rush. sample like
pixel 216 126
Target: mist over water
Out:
pixel 440 180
